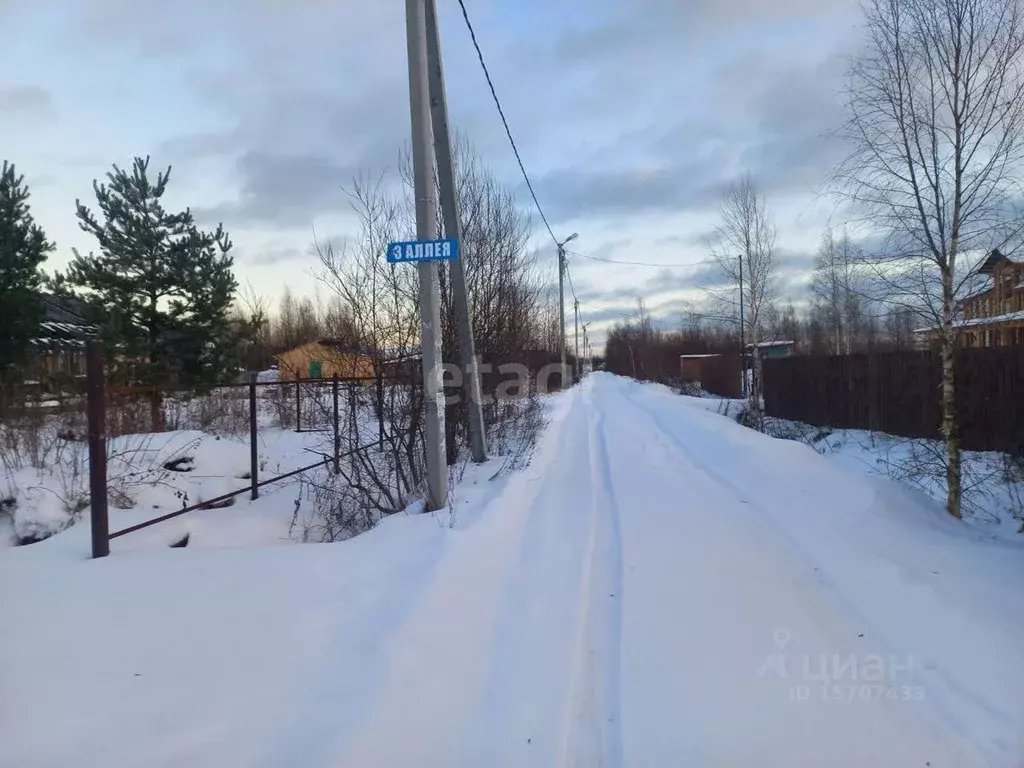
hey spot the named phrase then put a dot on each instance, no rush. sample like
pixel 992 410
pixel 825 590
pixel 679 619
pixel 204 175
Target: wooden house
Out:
pixel 325 359
pixel 59 345
pixel 994 317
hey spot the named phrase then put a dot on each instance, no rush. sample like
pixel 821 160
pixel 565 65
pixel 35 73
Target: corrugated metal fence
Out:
pixel 720 375
pixel 899 393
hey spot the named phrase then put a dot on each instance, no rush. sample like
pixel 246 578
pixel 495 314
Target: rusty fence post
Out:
pixel 97 417
pixel 254 462
pixel 353 424
pixel 337 426
pixel 380 411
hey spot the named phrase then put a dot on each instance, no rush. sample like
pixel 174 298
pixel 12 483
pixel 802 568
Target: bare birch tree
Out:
pixel 935 110
pixel 746 232
pixel 835 289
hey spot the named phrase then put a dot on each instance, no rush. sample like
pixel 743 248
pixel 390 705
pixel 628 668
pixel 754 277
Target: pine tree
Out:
pixel 161 287
pixel 23 247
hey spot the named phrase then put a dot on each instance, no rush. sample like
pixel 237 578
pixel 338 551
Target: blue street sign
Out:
pixel 424 250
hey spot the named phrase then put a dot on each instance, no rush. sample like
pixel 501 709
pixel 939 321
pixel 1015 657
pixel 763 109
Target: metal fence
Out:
pixel 318 405
pixel 900 393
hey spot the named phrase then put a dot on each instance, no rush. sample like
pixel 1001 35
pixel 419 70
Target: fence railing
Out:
pixel 317 404
pixel 900 393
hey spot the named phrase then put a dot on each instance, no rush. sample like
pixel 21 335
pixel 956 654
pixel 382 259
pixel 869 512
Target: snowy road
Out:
pixel 660 587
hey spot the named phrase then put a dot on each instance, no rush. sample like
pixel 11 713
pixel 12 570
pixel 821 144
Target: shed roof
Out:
pixel 63 309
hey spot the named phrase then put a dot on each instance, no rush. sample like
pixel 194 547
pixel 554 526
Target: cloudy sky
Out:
pixel 631 115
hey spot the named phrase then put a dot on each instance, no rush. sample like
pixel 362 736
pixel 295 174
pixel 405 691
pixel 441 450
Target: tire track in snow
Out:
pixel 593 730
pixel 448 647
pixel 520 711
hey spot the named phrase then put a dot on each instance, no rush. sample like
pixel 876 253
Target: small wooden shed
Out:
pixel 324 359
pixel 773 349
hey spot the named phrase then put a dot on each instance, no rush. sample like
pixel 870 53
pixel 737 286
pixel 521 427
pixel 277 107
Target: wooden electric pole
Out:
pixel 426 229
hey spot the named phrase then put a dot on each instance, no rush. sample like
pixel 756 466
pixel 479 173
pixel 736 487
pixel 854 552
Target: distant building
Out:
pixel 770 349
pixel 401 364
pixel 715 373
pixel 993 316
pixel 325 359
pixel 691 367
pixel 60 342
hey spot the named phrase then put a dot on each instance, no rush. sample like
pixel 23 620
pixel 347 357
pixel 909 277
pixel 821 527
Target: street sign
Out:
pixel 423 250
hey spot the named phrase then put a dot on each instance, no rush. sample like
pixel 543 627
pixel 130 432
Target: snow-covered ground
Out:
pixel 993 483
pixel 44 479
pixel 143 487
pixel 661 586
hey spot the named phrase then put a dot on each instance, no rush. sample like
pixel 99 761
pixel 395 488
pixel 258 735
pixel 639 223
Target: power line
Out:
pixel 504 121
pixel 631 315
pixel 702 263
pixel 569 277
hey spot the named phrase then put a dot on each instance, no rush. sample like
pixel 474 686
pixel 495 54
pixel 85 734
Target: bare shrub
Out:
pixel 280 402
pixel 222 411
pixel 513 428
pixel 129 416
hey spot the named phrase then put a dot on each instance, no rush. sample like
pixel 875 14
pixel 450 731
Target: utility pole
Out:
pixel 561 310
pixel 576 335
pixel 561 301
pixel 453 228
pixel 743 342
pixel 426 229
pixel 586 350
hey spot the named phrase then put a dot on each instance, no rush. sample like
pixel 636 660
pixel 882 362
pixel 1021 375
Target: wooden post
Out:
pixel 254 463
pixel 353 404
pixel 337 427
pixel 380 410
pixel 97 417
pixel 298 406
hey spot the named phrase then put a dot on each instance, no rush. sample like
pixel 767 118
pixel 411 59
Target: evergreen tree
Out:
pixel 160 286
pixel 23 247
